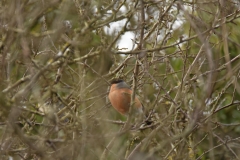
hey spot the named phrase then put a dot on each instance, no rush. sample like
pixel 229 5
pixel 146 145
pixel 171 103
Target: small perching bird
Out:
pixel 120 98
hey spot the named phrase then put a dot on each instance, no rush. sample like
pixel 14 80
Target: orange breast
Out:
pixel 121 99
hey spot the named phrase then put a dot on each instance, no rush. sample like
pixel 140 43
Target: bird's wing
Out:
pixel 127 96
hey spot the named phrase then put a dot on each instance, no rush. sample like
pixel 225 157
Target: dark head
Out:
pixel 116 81
pixel 119 83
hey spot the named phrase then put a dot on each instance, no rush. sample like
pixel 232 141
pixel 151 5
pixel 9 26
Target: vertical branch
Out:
pixel 136 68
pixel 225 38
pixel 186 53
pixel 142 25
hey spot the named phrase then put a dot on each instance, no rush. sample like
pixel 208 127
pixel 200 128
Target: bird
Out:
pixel 120 97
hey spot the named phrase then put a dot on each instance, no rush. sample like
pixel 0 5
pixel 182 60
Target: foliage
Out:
pixel 58 58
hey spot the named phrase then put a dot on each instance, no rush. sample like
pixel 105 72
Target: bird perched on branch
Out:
pixel 120 98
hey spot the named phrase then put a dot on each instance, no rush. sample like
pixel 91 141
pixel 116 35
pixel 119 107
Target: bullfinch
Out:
pixel 120 98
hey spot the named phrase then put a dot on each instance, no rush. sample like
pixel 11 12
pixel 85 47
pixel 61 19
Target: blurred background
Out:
pixel 57 59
